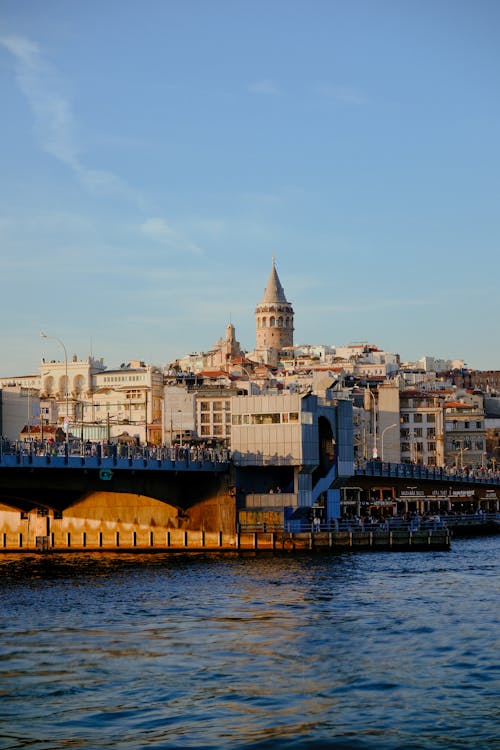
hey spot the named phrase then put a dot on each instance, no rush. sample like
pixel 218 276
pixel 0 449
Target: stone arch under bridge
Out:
pixel 91 511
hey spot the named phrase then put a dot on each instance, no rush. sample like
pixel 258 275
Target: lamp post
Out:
pixel 389 427
pixel 462 451
pixel 181 432
pixel 45 336
pixel 375 452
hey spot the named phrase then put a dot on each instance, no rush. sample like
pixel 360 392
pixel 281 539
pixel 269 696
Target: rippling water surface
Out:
pixel 367 650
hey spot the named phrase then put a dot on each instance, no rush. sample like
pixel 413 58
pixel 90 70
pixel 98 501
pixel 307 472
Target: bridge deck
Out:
pixel 431 473
pixel 164 460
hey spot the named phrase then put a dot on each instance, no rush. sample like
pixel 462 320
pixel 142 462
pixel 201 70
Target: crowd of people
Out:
pixel 413 521
pixel 101 449
pixel 490 471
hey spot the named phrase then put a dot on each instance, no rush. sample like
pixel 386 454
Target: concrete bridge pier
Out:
pixel 124 511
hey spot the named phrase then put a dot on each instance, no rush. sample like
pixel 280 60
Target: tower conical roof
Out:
pixel 274 292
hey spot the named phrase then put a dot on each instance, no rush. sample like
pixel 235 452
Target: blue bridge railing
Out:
pixel 107 456
pixel 433 473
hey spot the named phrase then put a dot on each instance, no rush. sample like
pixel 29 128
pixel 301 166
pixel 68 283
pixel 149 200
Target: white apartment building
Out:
pixel 129 399
pixel 213 415
pixel 434 364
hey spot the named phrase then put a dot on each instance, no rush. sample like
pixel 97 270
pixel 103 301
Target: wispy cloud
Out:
pixel 341 94
pixel 159 230
pixel 266 87
pixel 55 124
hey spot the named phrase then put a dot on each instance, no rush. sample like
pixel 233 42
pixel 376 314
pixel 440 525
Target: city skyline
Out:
pixel 155 157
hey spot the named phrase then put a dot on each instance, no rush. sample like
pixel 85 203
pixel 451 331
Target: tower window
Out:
pixel 272 321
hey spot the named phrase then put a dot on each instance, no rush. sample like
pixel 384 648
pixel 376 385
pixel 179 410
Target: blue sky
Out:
pixel 155 155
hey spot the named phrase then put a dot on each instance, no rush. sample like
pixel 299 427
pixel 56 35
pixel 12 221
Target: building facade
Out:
pixel 465 432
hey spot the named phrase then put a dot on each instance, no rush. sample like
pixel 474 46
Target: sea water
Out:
pixel 359 650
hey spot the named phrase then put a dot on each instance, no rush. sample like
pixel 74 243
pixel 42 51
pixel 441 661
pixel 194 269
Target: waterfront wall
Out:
pixel 98 536
pixel 111 520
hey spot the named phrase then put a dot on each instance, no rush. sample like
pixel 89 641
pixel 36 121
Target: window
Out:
pixel 205 418
pixel 405 418
pixel 417 418
pixel 217 418
pixel 431 447
pixel 204 406
pixel 431 417
pixel 205 430
pixel 133 394
pixel 418 432
pixel 294 416
pixel 265 418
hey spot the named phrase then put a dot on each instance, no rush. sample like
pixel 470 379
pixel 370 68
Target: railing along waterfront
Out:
pixel 395 523
pixel 46 453
pixel 437 473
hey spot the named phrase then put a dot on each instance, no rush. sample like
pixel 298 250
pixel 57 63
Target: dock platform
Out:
pixel 273 542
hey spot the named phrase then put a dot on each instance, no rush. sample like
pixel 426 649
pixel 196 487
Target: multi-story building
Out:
pixel 422 427
pixel 129 399
pixel 387 403
pixel 465 431
pixel 492 426
pixel 213 415
pixel 19 408
pixel 67 384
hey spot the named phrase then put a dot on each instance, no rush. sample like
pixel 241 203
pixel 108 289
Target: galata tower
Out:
pixel 274 317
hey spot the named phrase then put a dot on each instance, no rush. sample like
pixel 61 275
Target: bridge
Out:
pixel 100 493
pixel 105 486
pixel 427 473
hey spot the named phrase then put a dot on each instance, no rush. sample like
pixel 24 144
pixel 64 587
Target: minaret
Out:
pixel 274 316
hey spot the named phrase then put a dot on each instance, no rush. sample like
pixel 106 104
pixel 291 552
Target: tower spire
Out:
pixel 274 318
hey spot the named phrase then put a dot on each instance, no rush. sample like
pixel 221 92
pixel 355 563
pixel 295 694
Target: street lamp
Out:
pixel 45 336
pixel 389 427
pixel 181 432
pixel 462 451
pixel 375 452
